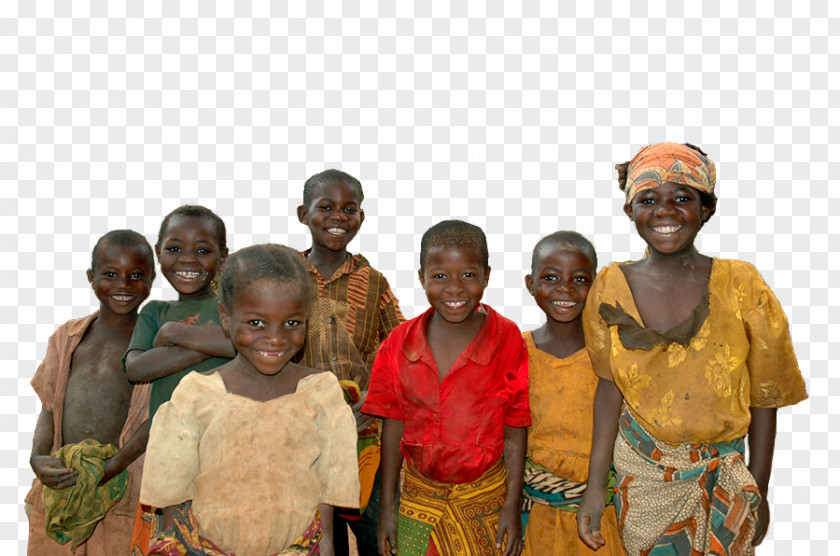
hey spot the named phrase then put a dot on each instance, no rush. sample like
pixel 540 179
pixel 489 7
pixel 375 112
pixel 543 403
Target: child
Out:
pixel 351 313
pixel 90 409
pixel 173 338
pixel 562 392
pixel 452 386
pixel 259 445
pixel 697 351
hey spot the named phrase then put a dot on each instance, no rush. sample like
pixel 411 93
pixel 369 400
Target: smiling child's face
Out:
pixel 122 277
pixel 560 284
pixel 668 217
pixel 190 255
pixel 334 216
pixel 266 324
pixel 454 279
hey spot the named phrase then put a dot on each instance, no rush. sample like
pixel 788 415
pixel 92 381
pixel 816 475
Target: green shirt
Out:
pixel 149 321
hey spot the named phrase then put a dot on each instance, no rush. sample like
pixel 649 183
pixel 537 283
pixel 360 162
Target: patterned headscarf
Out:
pixel 669 162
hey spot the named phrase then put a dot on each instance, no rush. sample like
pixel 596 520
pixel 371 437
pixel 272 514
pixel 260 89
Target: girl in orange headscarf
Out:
pixel 694 356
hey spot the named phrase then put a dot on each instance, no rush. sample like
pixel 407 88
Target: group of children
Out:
pixel 618 426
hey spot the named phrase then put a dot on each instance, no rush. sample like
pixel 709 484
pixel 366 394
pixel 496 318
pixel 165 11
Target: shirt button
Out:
pixel 329 320
pixel 326 286
pixel 334 358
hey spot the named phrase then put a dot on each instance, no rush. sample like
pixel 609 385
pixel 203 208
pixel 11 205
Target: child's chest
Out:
pixel 665 303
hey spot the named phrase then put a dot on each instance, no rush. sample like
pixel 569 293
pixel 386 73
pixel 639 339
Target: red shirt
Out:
pixel 454 429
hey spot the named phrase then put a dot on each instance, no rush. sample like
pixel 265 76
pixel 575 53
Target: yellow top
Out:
pixel 738 355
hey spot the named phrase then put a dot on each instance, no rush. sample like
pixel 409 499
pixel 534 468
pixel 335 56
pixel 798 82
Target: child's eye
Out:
pixel 350 210
pixel 203 250
pixel 173 249
pixel 439 276
pixel 550 278
pixel 293 323
pixel 580 279
pixel 469 275
pixel 683 199
pixel 137 275
pixel 325 207
pixel 257 323
pixel 110 274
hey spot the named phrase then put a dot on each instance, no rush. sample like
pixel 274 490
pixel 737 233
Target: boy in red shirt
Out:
pixel 452 386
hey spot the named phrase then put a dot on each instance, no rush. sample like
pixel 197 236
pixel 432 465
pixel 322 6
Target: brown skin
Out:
pixel 667 286
pixel 98 393
pixel 389 465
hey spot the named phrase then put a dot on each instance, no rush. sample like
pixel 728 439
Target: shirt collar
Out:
pixel 80 325
pixel 351 264
pixel 481 350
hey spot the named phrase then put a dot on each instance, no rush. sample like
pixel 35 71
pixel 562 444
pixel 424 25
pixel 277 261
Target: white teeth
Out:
pixel 123 298
pixel 564 303
pixel 666 229
pixel 271 353
pixel 188 275
pixel 455 304
pixel 336 231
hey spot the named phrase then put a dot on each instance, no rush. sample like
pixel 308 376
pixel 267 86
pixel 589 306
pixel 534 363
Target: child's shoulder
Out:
pixel 75 326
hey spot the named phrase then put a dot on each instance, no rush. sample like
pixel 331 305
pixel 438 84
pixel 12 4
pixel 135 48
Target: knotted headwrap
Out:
pixel 668 162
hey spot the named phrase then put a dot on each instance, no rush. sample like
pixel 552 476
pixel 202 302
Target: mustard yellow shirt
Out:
pixel 739 355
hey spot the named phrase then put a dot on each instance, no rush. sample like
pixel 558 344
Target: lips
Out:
pixel 454 305
pixel 187 274
pixel 564 304
pixel 271 353
pixel 123 298
pixel 336 232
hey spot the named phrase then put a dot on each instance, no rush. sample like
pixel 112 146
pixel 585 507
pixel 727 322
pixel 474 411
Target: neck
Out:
pixel 690 258
pixel 564 331
pixel 325 260
pixel 114 320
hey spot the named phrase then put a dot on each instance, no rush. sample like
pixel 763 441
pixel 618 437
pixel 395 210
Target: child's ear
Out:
pixel 628 210
pixel 487 276
pixel 529 283
pixel 157 251
pixel 361 216
pixel 422 278
pixel 223 255
pixel 90 275
pixel 302 212
pixel 224 319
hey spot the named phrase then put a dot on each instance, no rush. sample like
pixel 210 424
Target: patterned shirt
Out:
pixel 349 316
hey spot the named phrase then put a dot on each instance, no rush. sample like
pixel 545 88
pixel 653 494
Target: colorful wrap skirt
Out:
pixel 183 539
pixel 450 518
pixel 689 499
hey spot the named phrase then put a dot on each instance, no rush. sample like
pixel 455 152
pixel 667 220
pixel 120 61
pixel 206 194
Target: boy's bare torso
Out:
pixel 98 393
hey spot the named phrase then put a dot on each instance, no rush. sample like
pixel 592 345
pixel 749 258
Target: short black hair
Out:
pixel 122 238
pixel 565 240
pixel 197 211
pixel 257 262
pixel 458 234
pixel 708 200
pixel 329 176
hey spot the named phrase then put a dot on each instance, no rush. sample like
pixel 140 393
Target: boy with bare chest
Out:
pixel 92 417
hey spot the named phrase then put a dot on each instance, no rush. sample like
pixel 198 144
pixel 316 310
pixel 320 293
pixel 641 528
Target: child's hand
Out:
pixel 52 473
pixel 112 466
pixel 589 517
pixel 362 421
pixel 510 524
pixel 763 521
pixel 386 533
pixel 167 334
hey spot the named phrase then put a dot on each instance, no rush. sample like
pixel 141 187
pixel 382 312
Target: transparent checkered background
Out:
pixel 508 116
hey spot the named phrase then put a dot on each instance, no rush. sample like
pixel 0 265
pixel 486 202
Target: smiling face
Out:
pixel 266 324
pixel 560 284
pixel 454 279
pixel 190 256
pixel 668 217
pixel 334 216
pixel 122 277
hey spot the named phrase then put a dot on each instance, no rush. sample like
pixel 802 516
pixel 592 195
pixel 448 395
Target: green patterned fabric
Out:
pixel 73 512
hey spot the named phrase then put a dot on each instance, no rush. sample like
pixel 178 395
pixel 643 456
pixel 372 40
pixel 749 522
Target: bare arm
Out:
pixel 326 543
pixel 762 440
pixel 608 401
pixel 49 470
pixel 510 522
pixel 145 366
pixel 209 340
pixel 130 451
pixel 390 465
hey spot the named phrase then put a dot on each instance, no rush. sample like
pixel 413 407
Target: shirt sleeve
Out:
pixel 382 400
pixel 595 328
pixel 337 466
pixel 390 315
pixel 517 409
pixel 145 330
pixel 775 378
pixel 172 460
pixel 45 380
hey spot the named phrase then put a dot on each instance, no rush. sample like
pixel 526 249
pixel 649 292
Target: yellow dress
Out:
pixel 562 394
pixel 698 384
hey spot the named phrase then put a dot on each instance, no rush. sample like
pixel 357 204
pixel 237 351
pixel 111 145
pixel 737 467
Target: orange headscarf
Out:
pixel 669 162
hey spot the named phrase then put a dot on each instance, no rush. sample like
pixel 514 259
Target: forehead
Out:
pixel 668 188
pixel 270 295
pixel 446 255
pixel 133 256
pixel 181 226
pixel 562 258
pixel 337 190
